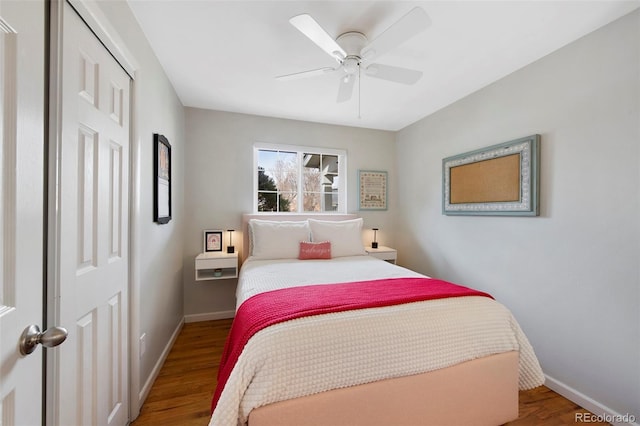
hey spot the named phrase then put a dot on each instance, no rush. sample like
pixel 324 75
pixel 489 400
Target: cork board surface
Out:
pixel 488 181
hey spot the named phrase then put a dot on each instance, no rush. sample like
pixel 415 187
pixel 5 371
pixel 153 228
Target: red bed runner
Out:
pixel 272 307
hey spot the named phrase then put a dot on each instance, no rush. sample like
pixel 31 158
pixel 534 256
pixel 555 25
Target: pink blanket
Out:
pixel 265 309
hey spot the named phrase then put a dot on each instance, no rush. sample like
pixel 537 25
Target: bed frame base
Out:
pixel 479 392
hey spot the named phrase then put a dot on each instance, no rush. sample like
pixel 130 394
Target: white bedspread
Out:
pixel 319 353
pixel 258 276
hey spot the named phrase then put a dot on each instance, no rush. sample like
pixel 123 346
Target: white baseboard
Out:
pixel 209 316
pixel 608 415
pixel 144 392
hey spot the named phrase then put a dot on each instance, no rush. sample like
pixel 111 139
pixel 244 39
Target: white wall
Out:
pixel 219 179
pixel 572 275
pixel 156 279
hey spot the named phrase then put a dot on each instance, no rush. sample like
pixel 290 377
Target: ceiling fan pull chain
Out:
pixel 359 91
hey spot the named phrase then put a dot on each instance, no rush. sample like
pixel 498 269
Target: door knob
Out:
pixel 31 337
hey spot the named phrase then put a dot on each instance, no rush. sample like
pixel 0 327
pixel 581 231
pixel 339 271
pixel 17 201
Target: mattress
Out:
pixel 314 354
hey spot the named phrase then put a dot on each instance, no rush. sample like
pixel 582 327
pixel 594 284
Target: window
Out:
pixel 299 179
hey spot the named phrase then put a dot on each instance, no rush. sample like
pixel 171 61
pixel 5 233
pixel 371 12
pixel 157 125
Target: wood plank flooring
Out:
pixel 181 394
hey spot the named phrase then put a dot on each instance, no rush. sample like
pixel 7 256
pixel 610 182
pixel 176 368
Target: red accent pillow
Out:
pixel 314 250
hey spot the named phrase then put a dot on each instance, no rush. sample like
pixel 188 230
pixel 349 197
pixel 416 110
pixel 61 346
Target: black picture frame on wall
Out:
pixel 162 179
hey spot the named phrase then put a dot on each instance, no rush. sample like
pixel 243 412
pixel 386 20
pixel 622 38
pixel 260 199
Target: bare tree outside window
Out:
pixel 276 173
pixel 285 174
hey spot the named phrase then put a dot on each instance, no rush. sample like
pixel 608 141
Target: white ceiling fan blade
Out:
pixel 391 73
pixel 305 74
pixel 346 88
pixel 309 27
pixel 402 30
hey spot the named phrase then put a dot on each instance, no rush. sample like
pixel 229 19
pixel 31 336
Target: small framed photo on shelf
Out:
pixel 212 240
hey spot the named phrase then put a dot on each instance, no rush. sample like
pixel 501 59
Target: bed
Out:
pixel 440 361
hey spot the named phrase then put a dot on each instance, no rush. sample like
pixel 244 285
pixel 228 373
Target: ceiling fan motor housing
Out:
pixel 352 42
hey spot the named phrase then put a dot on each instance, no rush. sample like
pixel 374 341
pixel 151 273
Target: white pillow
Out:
pixel 277 240
pixel 345 236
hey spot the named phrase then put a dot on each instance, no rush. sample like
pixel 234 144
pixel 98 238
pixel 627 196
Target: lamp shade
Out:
pixel 230 247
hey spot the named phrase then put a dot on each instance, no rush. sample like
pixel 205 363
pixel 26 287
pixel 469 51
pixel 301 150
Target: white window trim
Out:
pixel 342 173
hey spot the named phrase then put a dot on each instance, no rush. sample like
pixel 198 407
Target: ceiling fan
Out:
pixel 354 53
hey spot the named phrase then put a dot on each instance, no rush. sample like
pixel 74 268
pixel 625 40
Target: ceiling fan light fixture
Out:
pixel 350 65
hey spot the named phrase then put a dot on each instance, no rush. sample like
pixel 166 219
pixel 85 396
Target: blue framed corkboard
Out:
pixel 500 180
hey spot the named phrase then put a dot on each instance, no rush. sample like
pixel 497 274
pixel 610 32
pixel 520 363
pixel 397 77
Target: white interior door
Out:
pixel 91 381
pixel 22 104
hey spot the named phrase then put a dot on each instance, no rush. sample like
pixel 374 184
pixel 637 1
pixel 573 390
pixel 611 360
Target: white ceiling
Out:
pixel 224 55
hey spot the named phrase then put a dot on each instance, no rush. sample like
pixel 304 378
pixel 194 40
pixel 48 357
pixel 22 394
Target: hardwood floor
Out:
pixel 542 406
pixel 181 394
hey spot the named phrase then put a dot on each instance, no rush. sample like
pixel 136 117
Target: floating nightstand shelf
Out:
pixel 385 253
pixel 216 266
